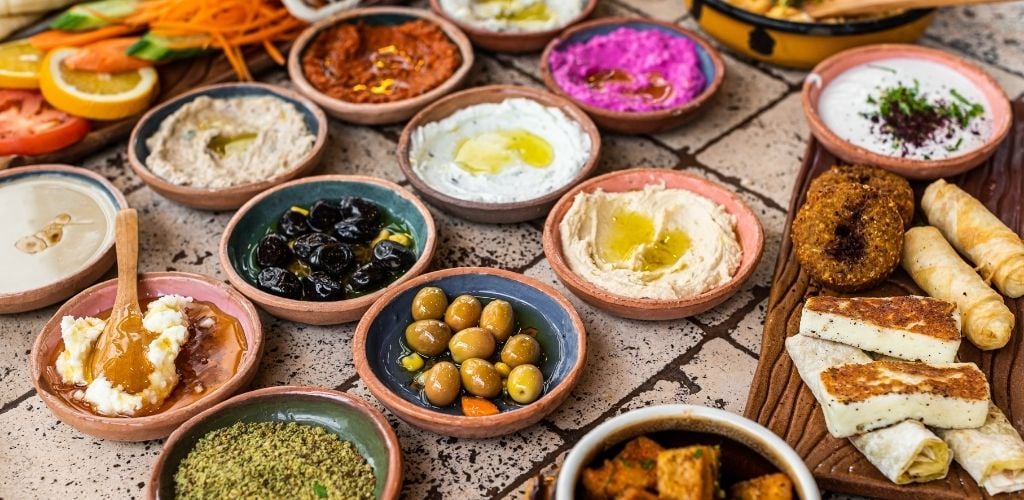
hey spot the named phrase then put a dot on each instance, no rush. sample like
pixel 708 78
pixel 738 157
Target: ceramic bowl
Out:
pixel 233 197
pixel 347 416
pixel 998 104
pixel 250 224
pixel 378 113
pixel 494 213
pixel 377 348
pixel 92 270
pixel 691 424
pixel 512 41
pixel 100 298
pixel 748 231
pixel 638 122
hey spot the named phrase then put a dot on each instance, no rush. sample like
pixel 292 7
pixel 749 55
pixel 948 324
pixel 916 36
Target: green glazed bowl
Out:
pixel 347 416
pixel 252 221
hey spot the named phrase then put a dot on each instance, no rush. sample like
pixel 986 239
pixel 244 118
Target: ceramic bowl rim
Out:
pixel 298 76
pixel 855 27
pixel 572 111
pixel 473 31
pixel 401 407
pixel 248 365
pixel 393 481
pixel 160 184
pixel 261 297
pixel 710 88
pixel 556 256
pixel 565 484
pixel 908 166
pixel 108 187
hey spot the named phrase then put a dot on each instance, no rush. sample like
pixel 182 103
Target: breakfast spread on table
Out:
pixel 893 309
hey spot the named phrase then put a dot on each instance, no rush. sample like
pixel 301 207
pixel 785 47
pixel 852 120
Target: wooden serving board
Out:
pixel 779 400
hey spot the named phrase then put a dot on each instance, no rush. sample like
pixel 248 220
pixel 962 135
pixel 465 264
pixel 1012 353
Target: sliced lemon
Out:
pixel 100 96
pixel 19 65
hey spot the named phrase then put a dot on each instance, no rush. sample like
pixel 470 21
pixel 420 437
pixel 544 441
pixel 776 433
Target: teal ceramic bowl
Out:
pixel 256 217
pixel 349 417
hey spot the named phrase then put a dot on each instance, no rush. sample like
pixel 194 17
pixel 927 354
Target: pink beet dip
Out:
pixel 629 70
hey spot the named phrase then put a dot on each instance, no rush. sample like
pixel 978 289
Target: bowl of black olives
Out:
pixel 470 352
pixel 321 250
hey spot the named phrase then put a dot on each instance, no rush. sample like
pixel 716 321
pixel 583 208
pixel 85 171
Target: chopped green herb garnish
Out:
pixel 648 463
pixel 320 491
pixel 698 452
pixel 910 119
pixel 883 68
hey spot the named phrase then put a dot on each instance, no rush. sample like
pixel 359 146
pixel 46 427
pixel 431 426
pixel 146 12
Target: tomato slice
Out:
pixel 30 126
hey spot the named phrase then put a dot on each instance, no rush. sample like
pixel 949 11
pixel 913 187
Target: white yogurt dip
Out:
pixel 848 103
pixel 514 15
pixel 511 151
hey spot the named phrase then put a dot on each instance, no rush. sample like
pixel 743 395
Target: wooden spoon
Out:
pixel 120 352
pixel 837 8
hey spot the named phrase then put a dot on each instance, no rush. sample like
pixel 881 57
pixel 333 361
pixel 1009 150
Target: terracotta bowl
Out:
pixel 512 41
pixel 252 221
pixel 748 230
pixel 748 449
pixel 638 122
pixel 347 416
pixel 51 293
pixel 381 113
pixel 830 68
pixel 100 298
pixel 233 197
pixel 494 213
pixel 377 348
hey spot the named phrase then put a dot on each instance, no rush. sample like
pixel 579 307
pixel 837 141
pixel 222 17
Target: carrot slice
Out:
pixel 107 56
pixel 476 407
pixel 51 39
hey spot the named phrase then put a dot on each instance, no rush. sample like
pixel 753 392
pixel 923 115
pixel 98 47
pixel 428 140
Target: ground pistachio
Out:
pixel 274 460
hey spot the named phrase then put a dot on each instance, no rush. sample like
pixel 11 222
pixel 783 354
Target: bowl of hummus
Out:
pixel 498 154
pixel 633 75
pixel 513 26
pixel 652 244
pixel 216 147
pixel 919 112
pixel 379 65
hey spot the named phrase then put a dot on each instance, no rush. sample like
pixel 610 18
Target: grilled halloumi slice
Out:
pixel 857 398
pixel 910 327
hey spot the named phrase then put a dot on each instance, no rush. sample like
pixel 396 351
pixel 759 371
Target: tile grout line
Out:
pixel 972 55
pixel 10 405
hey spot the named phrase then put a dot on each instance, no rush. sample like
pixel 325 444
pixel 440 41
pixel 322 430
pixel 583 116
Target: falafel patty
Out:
pixel 849 238
pixel 889 184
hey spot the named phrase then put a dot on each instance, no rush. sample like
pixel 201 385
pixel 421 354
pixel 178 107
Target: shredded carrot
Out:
pixel 106 56
pixel 51 39
pixel 274 53
pixel 477 407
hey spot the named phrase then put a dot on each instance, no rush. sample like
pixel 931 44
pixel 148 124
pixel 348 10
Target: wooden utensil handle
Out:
pixel 835 8
pixel 127 244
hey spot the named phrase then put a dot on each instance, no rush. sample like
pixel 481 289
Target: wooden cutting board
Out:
pixel 779 400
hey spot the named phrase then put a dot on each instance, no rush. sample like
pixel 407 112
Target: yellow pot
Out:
pixel 800 45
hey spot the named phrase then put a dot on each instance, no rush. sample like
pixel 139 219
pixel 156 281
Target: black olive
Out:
pixel 323 215
pixel 281 282
pixel 320 286
pixel 368 277
pixel 273 251
pixel 357 230
pixel 359 208
pixel 292 224
pixel 305 244
pixel 332 258
pixel 393 256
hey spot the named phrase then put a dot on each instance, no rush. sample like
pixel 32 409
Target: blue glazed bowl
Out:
pixel 231 197
pixel 256 217
pixel 378 347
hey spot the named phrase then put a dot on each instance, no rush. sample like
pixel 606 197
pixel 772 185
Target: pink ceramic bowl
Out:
pixel 99 298
pixel 748 230
pixel 830 68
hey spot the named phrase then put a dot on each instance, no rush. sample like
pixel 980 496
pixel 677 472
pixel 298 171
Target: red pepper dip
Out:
pixel 365 63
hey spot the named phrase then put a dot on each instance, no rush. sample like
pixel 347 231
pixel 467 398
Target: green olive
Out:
pixel 498 317
pixel 525 383
pixel 429 303
pixel 471 343
pixel 521 349
pixel 480 378
pixel 442 384
pixel 428 337
pixel 464 312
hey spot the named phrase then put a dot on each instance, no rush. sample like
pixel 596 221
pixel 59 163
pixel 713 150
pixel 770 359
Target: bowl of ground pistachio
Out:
pixel 281 442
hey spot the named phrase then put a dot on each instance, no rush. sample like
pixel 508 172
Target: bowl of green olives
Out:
pixel 471 352
pixel 321 250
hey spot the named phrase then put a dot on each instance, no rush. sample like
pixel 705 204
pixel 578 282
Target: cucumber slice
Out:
pixel 159 48
pixel 92 15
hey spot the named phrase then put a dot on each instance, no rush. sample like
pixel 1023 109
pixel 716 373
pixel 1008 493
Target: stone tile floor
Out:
pixel 751 139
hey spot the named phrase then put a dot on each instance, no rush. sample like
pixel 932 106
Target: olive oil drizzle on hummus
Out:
pixel 633 232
